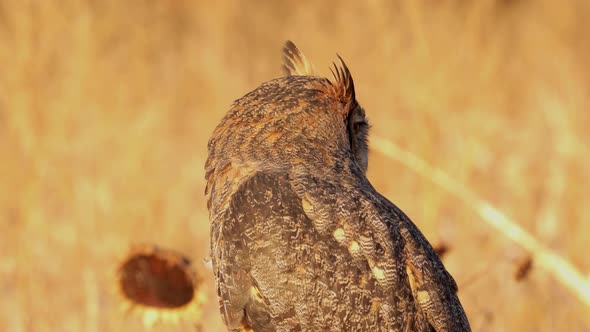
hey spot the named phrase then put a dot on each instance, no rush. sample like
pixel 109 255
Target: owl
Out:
pixel 300 239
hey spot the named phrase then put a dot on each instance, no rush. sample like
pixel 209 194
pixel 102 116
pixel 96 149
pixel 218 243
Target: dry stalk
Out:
pixel 558 266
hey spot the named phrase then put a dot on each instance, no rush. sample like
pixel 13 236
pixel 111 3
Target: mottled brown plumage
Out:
pixel 300 239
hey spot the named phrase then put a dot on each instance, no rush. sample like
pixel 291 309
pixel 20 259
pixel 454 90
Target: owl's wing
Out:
pixel 434 289
pixel 397 253
pixel 254 256
pixel 282 263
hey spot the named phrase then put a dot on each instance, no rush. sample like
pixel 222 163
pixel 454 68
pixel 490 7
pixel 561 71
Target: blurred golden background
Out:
pixel 106 108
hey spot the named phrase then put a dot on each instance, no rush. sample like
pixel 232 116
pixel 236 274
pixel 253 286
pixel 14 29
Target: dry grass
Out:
pixel 106 108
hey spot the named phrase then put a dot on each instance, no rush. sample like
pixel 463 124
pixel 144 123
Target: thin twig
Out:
pixel 558 266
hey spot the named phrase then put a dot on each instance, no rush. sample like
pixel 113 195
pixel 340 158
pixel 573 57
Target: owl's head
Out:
pixel 299 121
pixel 356 123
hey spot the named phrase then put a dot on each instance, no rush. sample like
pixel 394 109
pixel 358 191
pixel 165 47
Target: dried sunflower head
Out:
pixel 160 285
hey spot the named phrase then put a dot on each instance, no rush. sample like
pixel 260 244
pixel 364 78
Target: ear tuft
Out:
pixel 295 62
pixel 343 83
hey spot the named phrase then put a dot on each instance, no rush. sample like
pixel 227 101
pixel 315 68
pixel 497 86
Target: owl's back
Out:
pixel 277 272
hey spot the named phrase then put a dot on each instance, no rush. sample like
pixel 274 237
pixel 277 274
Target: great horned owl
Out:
pixel 300 239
